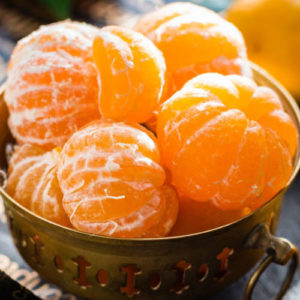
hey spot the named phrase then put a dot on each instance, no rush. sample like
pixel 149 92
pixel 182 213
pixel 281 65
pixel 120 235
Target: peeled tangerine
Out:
pixel 52 87
pixel 195 40
pixel 131 74
pixel 113 184
pixel 226 140
pixel 33 182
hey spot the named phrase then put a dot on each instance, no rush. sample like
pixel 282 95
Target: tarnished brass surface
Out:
pixel 279 251
pixel 190 266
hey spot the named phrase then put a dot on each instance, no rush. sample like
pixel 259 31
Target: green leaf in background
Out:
pixel 61 9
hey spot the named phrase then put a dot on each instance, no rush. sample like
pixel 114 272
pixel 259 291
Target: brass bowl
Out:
pixel 190 266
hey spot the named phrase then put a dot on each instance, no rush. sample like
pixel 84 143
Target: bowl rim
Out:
pixel 290 102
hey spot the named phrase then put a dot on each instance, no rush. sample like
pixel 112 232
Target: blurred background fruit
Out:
pixel 271 29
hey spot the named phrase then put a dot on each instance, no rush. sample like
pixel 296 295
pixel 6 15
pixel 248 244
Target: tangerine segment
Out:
pixel 132 74
pixel 281 124
pixel 179 128
pixel 33 182
pixel 215 141
pixel 20 153
pixel 169 217
pixel 194 217
pixel 195 40
pixel 214 148
pixel 106 169
pixel 278 162
pixel 245 181
pixel 52 86
pixel 267 109
pixel 266 100
pixel 129 226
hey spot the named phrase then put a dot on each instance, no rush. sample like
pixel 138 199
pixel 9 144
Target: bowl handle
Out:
pixel 279 251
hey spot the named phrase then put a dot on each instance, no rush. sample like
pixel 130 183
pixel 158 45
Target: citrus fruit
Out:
pixel 131 74
pixel 227 141
pixel 195 40
pixel 169 216
pixel 52 88
pixel 110 171
pixel 132 225
pixel 272 33
pixel 32 181
pixel 154 219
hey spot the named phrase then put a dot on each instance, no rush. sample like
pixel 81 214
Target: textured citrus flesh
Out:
pixel 52 86
pixel 131 74
pixel 33 182
pixel 154 219
pixel 169 217
pixel 131 225
pixel 195 216
pixel 226 140
pixel 111 172
pixel 194 40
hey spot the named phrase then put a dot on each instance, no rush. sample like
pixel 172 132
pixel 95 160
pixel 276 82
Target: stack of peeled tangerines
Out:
pixel 82 101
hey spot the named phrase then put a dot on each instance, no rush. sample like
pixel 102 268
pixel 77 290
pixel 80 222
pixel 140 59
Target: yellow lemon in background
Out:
pixel 272 32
